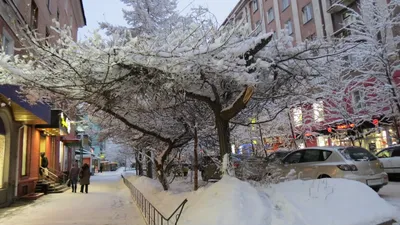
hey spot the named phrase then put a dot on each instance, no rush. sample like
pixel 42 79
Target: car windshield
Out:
pixel 357 154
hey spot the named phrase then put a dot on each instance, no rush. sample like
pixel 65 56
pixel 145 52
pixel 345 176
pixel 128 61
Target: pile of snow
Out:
pixel 338 201
pixel 234 202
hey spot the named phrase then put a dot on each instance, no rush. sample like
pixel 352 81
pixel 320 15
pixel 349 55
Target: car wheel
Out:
pixel 323 176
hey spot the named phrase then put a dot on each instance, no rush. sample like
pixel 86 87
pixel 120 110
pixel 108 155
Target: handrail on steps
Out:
pixel 151 215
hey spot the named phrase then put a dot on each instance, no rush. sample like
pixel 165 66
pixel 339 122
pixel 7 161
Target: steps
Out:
pixel 53 187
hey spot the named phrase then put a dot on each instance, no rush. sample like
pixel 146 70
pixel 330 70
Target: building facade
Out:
pixel 26 130
pixel 315 124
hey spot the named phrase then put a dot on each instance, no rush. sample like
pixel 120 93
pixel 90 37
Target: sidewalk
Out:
pixel 108 203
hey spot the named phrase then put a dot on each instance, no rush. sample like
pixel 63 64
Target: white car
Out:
pixel 390 157
pixel 352 163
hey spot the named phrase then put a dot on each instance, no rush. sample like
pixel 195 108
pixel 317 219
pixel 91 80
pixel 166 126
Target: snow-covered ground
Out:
pixel 391 193
pixel 233 202
pixel 108 203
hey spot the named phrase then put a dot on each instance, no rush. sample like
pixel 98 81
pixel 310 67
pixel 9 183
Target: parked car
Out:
pixel 354 163
pixel 249 167
pixel 277 156
pixel 390 157
pixel 209 169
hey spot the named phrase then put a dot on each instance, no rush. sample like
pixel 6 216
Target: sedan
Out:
pixel 390 157
pixel 352 163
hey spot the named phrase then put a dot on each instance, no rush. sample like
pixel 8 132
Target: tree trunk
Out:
pixel 195 161
pixel 140 164
pixel 161 176
pixel 149 165
pixel 223 135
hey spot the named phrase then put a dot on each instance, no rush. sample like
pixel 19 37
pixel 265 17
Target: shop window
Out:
pixel 318 109
pixel 270 15
pixel 2 152
pixel 24 155
pixel 297 116
pixel 307 13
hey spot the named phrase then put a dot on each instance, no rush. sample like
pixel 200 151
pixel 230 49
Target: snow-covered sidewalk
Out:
pixel 108 202
pixel 391 193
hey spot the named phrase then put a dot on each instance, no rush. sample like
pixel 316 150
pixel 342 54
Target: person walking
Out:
pixel 84 176
pixel 101 168
pixel 73 177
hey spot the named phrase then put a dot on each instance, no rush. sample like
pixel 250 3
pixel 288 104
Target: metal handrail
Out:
pixel 52 176
pixel 151 215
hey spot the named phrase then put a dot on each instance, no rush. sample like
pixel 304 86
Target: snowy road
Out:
pixel 391 193
pixel 108 203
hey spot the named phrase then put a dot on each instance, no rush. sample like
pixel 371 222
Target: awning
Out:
pixel 22 110
pixel 71 141
pixel 60 124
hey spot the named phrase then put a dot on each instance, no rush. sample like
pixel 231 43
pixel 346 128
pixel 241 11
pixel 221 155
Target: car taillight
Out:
pixel 346 167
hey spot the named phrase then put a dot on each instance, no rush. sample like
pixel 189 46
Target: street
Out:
pixel 108 203
pixel 391 193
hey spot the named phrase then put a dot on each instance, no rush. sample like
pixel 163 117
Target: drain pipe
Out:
pixel 16 169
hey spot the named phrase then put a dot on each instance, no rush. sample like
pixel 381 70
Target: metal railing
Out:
pixel 151 215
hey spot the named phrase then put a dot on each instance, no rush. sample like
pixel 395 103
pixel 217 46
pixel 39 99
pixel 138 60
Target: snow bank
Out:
pixel 338 201
pixel 234 202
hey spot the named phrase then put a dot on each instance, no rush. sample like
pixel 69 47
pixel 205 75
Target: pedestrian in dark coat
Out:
pixel 73 177
pixel 84 176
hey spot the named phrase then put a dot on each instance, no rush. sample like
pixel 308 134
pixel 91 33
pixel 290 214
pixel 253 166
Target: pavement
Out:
pixel 108 203
pixel 391 193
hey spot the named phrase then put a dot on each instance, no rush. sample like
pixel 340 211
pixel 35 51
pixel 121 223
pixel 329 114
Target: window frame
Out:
pixel 358 105
pixel 289 21
pixel 301 152
pixel 268 15
pixel 9 41
pixel 307 8
pixel 283 5
pixel 255 6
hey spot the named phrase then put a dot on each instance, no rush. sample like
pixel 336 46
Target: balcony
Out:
pixel 336 8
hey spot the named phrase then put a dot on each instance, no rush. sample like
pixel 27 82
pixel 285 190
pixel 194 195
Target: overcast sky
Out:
pixel 110 11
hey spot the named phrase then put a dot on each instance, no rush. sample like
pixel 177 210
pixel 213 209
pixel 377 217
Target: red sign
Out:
pixel 330 129
pixel 375 122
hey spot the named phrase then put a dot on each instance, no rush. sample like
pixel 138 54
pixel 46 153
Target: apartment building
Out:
pixel 306 19
pixel 27 130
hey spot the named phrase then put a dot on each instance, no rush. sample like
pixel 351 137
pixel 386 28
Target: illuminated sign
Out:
pixel 330 129
pixel 375 122
pixel 65 122
pixel 345 126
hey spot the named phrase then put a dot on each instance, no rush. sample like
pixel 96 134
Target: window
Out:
pixel 48 5
pixel 285 4
pixel 34 15
pixel 307 13
pixel 297 116
pixel 348 18
pixel 311 156
pixel 255 5
pixel 24 155
pixel 384 154
pixel 357 154
pixel 318 109
pixel 294 157
pixel 270 15
pixel 258 26
pixel 396 152
pixel 289 27
pixel 7 43
pixel 358 99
